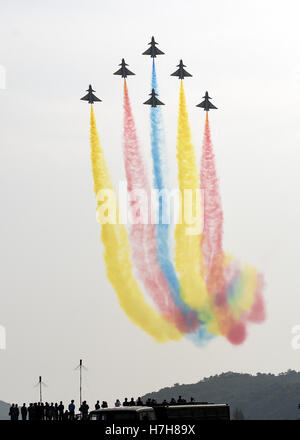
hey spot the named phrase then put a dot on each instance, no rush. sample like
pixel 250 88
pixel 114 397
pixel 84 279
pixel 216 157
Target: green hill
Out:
pixel 263 396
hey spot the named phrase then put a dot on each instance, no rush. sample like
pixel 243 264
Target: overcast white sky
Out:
pixel 55 301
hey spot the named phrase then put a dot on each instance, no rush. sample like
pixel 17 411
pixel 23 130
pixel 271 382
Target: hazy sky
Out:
pixel 56 302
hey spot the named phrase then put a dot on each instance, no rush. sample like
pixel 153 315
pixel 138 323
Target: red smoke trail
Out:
pixel 142 236
pixel 212 244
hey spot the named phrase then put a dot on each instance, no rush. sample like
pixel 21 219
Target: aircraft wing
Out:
pixel 127 72
pixel 158 102
pixel 202 104
pixel 212 106
pixel 149 102
pixel 147 52
pixel 177 73
pixel 158 52
pixel 119 72
pixel 185 73
pixel 86 98
pixel 95 98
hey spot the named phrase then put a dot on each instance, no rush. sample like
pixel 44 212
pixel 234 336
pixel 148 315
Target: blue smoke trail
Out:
pixel 158 149
pixel 159 168
pixel 162 230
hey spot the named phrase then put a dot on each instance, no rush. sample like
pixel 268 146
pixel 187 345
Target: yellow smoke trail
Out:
pixel 188 255
pixel 246 288
pixel 117 257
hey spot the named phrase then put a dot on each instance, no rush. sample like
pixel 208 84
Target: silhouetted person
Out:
pixel 35 411
pixel 40 411
pixel 153 402
pixel 47 411
pixel 139 402
pixel 30 411
pixel 132 402
pixel 180 400
pixel 84 409
pixel 61 411
pixel 192 400
pixel 17 412
pixel 97 406
pixel 51 411
pixel 117 403
pixel 126 403
pixel 104 404
pixel 11 411
pixel 173 401
pixel 164 403
pixel 148 402
pixel 71 410
pixel 56 411
pixel 66 415
pixel 24 412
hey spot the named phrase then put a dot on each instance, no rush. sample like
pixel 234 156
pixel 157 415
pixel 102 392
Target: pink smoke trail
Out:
pixel 222 280
pixel 142 236
pixel 212 244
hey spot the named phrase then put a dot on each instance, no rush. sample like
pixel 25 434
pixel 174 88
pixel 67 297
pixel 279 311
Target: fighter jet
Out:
pixel 206 104
pixel 153 101
pixel 90 97
pixel 181 73
pixel 153 51
pixel 123 71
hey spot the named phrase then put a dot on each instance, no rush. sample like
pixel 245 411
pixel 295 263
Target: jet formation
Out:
pixel 90 97
pixel 206 104
pixel 153 51
pixel 181 73
pixel 153 101
pixel 123 71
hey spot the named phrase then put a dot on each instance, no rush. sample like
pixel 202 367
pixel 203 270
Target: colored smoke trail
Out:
pixel 188 255
pixel 213 215
pixel 236 291
pixel 211 240
pixel 117 257
pixel 211 293
pixel 225 322
pixel 142 236
pixel 158 150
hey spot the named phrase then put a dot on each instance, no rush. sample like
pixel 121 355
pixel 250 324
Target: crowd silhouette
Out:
pixel 58 411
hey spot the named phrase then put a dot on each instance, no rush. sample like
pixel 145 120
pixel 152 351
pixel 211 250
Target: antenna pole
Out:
pixel 80 381
pixel 40 384
pixel 80 367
